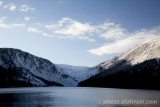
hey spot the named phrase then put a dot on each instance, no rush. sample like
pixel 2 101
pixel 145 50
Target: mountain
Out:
pixel 18 68
pixel 138 67
pixel 137 54
pixel 77 72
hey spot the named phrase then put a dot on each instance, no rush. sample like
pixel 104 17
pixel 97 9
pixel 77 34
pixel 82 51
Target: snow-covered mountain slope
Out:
pixel 137 54
pixel 77 72
pixel 14 58
pixel 138 67
pixel 37 70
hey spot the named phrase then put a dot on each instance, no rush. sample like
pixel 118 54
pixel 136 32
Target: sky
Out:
pixel 77 32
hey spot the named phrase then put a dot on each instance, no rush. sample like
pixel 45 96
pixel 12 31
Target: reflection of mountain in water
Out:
pixel 26 99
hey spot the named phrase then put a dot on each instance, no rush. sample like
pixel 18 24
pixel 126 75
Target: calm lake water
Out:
pixel 77 97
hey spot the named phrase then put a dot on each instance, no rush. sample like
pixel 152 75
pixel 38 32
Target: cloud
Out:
pixel 113 33
pixel 27 18
pixel 21 25
pixel 69 28
pixel 130 39
pixel 46 34
pixel 9 26
pixel 32 29
pixel 26 8
pixel 6 6
pixel 10 6
pixel 35 30
pixel 2 24
pixel 37 24
pixel 72 27
pixel 75 29
pixel 18 25
pixel 1 2
pixel 118 39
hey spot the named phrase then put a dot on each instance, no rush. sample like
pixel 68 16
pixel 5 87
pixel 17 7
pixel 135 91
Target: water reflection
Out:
pixel 26 99
pixel 73 97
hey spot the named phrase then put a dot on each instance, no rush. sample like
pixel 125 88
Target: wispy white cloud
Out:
pixel 2 24
pixel 6 6
pixel 9 26
pixel 23 25
pixel 35 30
pixel 11 7
pixel 1 2
pixel 73 27
pixel 115 32
pixel 32 29
pixel 129 40
pixel 18 25
pixel 27 18
pixel 26 8
pixel 69 28
pixel 37 24
pixel 46 34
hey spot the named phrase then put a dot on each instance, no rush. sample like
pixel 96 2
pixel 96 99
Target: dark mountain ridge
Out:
pixel 144 75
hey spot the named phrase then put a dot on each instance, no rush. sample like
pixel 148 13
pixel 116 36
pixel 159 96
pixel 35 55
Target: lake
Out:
pixel 77 97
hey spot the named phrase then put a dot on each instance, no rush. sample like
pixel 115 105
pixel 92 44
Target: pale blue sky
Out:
pixel 77 32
